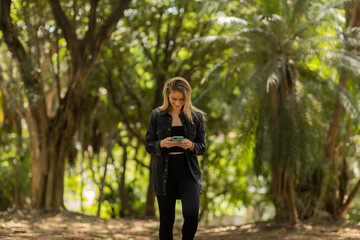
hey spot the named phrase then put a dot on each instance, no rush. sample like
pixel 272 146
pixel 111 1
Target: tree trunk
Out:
pixel 101 197
pixel 82 163
pixel 282 105
pixel 126 208
pixel 82 184
pixel 329 198
pixel 51 142
pixel 328 194
pixel 150 196
pixel 344 208
pixel 17 160
pixel 50 136
pixel 206 180
pixel 284 194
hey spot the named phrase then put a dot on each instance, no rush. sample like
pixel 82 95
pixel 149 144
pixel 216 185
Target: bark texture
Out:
pixel 50 136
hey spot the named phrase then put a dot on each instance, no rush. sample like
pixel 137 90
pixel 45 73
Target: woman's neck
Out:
pixel 172 111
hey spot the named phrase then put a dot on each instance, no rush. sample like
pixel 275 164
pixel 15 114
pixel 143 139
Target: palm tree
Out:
pixel 277 94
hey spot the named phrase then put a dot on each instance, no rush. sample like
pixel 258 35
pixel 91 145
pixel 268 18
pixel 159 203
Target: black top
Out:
pixel 159 127
pixel 177 131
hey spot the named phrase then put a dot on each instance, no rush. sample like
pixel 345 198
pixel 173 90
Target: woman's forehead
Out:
pixel 176 94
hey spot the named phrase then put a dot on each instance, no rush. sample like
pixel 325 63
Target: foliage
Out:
pixel 233 53
pixel 15 172
pixel 269 48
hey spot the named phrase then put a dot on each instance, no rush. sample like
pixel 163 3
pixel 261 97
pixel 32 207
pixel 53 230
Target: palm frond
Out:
pixel 299 8
pixel 316 15
pixel 353 42
pixel 270 6
pixel 350 104
pixel 216 70
pixel 348 60
pixel 351 62
pixel 261 37
pixel 218 40
pixel 230 21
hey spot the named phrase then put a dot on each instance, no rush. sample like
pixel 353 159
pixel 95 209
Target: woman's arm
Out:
pixel 199 140
pixel 152 143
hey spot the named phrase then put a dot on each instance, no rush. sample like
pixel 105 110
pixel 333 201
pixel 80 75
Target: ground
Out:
pixel 69 225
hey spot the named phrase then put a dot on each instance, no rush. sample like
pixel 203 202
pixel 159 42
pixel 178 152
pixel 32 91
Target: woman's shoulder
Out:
pixel 198 116
pixel 157 111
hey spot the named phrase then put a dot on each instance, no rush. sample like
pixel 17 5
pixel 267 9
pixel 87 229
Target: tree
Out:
pixel 51 133
pixel 160 38
pixel 334 198
pixel 269 54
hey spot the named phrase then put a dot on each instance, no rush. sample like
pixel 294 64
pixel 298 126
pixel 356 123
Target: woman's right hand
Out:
pixel 167 143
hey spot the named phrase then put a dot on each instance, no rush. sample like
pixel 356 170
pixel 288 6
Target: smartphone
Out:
pixel 177 138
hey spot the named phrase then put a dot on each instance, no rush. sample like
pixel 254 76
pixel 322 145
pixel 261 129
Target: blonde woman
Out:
pixel 176 135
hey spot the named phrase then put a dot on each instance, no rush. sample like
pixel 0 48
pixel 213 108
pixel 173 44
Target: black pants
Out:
pixel 180 184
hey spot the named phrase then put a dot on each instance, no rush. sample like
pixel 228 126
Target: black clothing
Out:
pixel 159 127
pixel 176 176
pixel 177 131
pixel 180 183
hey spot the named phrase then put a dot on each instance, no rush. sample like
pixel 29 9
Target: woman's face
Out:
pixel 176 99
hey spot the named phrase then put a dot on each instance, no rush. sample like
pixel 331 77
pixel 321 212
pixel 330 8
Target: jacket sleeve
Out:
pixel 152 143
pixel 199 141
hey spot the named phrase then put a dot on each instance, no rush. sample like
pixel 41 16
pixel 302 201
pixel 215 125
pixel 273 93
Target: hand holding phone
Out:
pixel 177 138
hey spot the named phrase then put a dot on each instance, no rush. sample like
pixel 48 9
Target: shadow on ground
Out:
pixel 69 225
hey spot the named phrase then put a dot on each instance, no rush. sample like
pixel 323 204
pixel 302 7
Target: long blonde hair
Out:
pixel 181 85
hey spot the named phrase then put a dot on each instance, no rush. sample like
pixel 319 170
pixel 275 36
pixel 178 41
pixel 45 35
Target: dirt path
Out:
pixel 67 225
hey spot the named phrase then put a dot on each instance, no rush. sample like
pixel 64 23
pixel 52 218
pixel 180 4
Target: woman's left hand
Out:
pixel 186 144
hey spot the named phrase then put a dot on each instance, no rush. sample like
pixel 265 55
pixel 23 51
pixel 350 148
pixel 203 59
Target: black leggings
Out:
pixel 180 184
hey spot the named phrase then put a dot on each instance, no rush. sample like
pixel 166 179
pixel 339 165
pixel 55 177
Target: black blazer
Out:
pixel 159 127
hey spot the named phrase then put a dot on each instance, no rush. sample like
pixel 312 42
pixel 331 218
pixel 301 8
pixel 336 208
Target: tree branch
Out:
pixel 10 35
pixel 346 205
pixel 19 108
pixel 147 52
pixel 158 40
pixel 120 109
pixel 109 26
pixel 175 33
pixel 92 22
pixel 67 29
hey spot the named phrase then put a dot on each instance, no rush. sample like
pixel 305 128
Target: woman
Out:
pixel 176 172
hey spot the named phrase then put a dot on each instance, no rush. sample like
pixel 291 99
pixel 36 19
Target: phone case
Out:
pixel 177 138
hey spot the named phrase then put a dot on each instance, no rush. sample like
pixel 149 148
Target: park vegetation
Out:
pixel 278 79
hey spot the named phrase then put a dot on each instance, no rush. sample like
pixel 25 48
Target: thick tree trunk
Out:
pixel 290 196
pixel 283 189
pixel 48 184
pixel 50 136
pixel 51 147
pixel 282 105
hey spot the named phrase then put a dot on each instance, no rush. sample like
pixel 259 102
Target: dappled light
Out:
pixel 67 225
pixel 268 137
